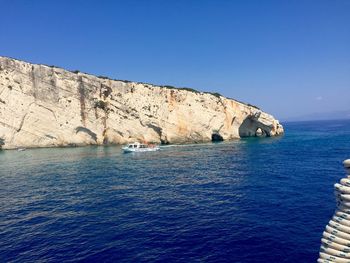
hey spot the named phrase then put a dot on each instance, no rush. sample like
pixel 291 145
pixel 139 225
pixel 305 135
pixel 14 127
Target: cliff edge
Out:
pixel 44 106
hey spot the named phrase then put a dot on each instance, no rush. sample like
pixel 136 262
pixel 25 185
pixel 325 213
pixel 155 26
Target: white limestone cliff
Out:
pixel 42 106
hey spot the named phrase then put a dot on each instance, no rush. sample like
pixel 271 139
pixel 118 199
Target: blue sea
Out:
pixel 249 200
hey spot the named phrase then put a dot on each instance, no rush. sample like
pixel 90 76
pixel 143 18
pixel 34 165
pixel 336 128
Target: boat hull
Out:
pixel 130 150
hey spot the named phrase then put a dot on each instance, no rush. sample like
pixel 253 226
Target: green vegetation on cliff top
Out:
pixel 216 94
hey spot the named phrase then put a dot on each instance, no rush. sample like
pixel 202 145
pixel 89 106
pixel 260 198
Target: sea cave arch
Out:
pixel 252 128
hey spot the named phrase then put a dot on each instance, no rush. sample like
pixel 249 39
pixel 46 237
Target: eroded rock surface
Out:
pixel 42 106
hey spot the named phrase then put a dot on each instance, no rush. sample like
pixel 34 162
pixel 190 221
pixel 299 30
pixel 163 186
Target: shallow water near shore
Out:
pixel 250 200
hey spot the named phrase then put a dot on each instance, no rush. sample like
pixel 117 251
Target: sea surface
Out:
pixel 249 200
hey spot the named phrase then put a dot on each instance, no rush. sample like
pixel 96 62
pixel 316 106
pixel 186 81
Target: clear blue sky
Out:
pixel 288 57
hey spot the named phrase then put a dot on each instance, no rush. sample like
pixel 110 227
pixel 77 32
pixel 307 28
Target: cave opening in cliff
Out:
pixel 216 137
pixel 260 133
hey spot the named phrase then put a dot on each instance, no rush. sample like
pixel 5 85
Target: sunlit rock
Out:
pixel 44 106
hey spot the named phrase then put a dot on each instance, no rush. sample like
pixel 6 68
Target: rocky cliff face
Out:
pixel 42 106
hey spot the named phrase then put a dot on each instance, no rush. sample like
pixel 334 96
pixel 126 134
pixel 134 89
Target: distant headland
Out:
pixel 47 106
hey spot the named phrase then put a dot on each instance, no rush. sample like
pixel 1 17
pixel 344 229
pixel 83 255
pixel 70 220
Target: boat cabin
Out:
pixel 137 145
pixel 140 147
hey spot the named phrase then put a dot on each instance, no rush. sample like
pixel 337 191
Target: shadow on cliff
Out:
pixel 87 131
pixel 2 142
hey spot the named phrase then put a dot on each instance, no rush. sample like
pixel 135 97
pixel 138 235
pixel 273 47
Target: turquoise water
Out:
pixel 250 200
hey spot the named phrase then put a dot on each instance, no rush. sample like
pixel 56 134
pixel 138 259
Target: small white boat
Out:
pixel 140 147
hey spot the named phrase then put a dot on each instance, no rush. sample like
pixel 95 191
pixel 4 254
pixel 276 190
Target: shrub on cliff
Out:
pixel 100 104
pixel 103 77
pixel 189 89
pixel 216 94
